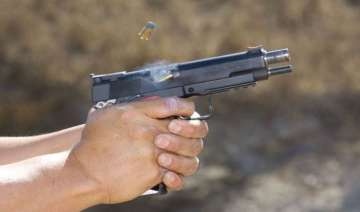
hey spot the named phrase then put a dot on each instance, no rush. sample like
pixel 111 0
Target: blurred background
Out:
pixel 289 144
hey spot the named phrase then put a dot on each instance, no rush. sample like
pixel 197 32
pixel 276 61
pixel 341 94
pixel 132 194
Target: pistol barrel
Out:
pixel 280 70
pixel 277 56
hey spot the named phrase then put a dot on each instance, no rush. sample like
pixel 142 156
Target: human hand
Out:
pixel 180 150
pixel 117 151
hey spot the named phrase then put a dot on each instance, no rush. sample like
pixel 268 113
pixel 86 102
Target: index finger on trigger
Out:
pixel 189 129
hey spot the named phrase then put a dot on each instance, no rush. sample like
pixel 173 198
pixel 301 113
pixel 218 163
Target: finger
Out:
pixel 179 164
pixel 149 98
pixel 189 129
pixel 138 118
pixel 165 107
pixel 179 145
pixel 173 181
pixel 162 125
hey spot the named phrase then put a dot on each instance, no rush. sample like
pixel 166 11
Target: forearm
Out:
pixel 13 149
pixel 44 183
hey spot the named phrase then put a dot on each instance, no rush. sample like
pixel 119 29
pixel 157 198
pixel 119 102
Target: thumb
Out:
pixel 165 107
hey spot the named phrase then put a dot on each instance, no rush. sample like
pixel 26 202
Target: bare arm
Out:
pixel 115 160
pixel 46 183
pixel 13 149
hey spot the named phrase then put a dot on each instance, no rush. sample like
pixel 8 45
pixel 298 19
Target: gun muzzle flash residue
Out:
pixel 147 30
pixel 163 73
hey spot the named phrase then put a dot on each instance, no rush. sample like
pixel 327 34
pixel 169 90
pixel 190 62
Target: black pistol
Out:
pixel 195 78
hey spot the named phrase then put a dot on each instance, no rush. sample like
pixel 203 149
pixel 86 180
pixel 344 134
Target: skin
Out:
pixel 14 149
pixel 123 151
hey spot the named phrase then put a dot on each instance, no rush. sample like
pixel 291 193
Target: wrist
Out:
pixel 84 190
pixel 47 183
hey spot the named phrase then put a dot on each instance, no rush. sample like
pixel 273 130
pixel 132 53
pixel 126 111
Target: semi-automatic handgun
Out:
pixel 195 78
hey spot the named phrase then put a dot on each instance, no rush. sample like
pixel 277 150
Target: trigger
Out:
pixel 202 117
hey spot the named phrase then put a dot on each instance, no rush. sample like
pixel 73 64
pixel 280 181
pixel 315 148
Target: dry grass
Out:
pixel 56 44
pixel 48 48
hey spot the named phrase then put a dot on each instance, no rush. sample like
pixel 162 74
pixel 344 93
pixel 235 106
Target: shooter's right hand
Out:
pixel 117 150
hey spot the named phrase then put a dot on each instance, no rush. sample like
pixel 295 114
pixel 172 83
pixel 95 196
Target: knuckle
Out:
pixel 175 163
pixel 126 115
pixel 174 143
pixel 171 104
pixel 142 132
pixel 139 131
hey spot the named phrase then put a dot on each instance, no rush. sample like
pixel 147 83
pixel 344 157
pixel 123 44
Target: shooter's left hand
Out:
pixel 184 143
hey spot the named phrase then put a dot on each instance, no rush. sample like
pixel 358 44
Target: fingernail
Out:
pixel 162 142
pixel 164 160
pixel 174 127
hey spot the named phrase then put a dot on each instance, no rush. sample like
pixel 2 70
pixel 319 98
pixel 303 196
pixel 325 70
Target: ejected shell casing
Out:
pixel 147 30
